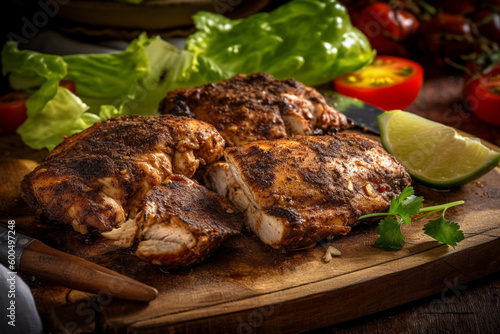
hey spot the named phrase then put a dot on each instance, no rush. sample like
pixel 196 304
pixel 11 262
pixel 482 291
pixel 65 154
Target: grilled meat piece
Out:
pixel 100 176
pixel 298 191
pixel 180 223
pixel 118 176
pixel 247 108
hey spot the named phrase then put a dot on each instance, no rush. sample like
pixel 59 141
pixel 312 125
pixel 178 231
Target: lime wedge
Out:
pixel 434 154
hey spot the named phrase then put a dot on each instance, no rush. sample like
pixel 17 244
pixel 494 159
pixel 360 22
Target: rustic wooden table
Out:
pixel 469 308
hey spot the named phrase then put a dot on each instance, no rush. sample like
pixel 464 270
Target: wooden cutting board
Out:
pixel 246 286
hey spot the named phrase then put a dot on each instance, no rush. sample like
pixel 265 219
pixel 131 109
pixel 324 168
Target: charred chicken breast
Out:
pixel 297 191
pixel 253 107
pixel 99 176
pixel 128 177
pixel 182 222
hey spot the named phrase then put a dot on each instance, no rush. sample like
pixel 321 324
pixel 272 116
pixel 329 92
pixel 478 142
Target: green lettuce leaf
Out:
pixel 130 82
pixel 103 81
pixel 110 79
pixel 64 115
pixel 312 41
pixel 28 70
pixel 171 68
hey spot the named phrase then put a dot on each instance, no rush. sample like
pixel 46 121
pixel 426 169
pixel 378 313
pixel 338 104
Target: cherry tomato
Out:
pixel 13 110
pixel 389 82
pixel 13 107
pixel 447 36
pixel 386 28
pixel 483 96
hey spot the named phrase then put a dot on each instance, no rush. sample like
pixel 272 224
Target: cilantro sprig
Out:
pixel 402 210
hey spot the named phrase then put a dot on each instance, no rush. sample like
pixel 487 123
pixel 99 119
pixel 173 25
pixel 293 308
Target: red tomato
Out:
pixel 13 110
pixel 483 96
pixel 386 28
pixel 388 83
pixel 13 107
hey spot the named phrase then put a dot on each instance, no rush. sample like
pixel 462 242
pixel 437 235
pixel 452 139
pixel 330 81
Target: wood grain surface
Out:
pixel 247 287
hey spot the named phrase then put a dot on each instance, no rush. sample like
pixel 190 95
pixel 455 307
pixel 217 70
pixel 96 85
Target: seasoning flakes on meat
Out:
pixel 101 177
pixel 299 190
pixel 247 108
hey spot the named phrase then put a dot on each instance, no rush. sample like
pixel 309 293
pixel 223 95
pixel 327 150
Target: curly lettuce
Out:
pixel 312 41
pixel 130 82
pixel 103 81
pixel 63 115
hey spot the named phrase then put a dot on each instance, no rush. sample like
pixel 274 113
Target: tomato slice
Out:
pixel 13 110
pixel 483 96
pixel 13 107
pixel 389 82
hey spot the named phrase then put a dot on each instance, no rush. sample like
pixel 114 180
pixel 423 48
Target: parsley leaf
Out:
pixel 402 209
pixel 444 230
pixel 410 207
pixel 408 191
pixel 406 205
pixel 390 236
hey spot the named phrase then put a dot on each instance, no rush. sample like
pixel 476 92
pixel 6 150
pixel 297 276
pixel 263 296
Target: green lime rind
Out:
pixel 458 181
pixel 434 154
